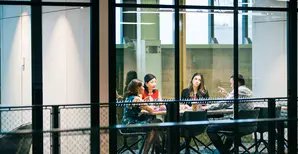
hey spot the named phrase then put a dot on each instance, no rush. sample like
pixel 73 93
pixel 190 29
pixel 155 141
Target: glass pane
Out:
pixel 262 57
pixel 223 26
pixel 263 3
pixel 66 0
pixel 141 28
pixel 214 61
pixel 207 2
pixel 163 2
pixel 196 32
pixel 15 64
pixel 142 52
pixel 66 68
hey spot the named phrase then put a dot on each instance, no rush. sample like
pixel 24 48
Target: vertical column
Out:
pixel 211 23
pixel 94 75
pixel 182 49
pixel 111 71
pixel 292 74
pixel 37 94
pixel 173 108
pixel 235 57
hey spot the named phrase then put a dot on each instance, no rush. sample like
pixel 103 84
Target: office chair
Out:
pixel 190 133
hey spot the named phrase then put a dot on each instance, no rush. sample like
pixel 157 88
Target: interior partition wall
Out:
pixel 50 56
pixel 173 39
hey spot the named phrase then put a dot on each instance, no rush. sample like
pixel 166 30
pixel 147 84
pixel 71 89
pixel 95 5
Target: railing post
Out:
pixel 280 137
pixel 55 135
pixel 271 125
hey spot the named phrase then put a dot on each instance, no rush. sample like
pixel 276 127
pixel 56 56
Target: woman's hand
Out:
pixel 147 108
pixel 162 108
pixel 203 108
pixel 148 98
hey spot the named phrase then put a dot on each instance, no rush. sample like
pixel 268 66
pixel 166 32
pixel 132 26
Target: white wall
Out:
pixel 15 45
pixel 66 51
pixel 15 64
pixel 269 70
pixel 269 67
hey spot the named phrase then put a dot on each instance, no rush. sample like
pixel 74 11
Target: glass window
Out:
pixel 208 2
pixel 214 62
pixel 223 26
pixel 66 67
pixel 66 0
pixel 263 3
pixel 15 30
pixel 166 22
pixel 163 2
pixel 143 51
pixel 263 62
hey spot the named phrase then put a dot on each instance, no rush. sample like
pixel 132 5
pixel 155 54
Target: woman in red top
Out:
pixel 150 92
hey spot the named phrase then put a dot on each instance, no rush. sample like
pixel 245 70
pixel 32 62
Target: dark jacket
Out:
pixel 186 94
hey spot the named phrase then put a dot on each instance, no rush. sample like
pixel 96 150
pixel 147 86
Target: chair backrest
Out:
pixel 25 144
pixel 248 128
pixel 264 112
pixel 17 143
pixel 263 126
pixel 193 116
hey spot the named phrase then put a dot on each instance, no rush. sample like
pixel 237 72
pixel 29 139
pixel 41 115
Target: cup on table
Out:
pixel 195 106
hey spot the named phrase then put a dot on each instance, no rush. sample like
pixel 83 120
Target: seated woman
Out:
pixel 151 93
pixel 196 89
pixel 132 114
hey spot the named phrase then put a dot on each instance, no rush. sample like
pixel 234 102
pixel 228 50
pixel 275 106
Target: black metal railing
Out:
pixel 67 128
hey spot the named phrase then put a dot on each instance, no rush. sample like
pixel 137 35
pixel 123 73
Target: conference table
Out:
pixel 210 113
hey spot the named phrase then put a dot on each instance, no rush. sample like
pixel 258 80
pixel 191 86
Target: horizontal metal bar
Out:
pixel 200 7
pixel 155 125
pixel 45 3
pixel 161 101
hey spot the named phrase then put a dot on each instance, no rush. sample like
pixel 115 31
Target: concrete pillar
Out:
pixel 104 72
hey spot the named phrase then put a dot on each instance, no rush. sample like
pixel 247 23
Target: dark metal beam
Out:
pixel 173 108
pixel 236 72
pixel 292 74
pixel 37 83
pixel 200 7
pixel 94 76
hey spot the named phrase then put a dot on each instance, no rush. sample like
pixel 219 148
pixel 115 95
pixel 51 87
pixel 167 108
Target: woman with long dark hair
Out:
pixel 196 89
pixel 130 76
pixel 132 114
